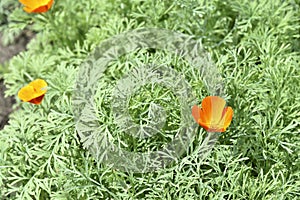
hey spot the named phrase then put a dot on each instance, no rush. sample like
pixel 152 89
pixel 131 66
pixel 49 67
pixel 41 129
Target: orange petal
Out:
pixel 218 130
pixel 27 9
pixel 227 117
pixel 39 84
pixel 37 100
pixel 217 107
pixel 225 121
pixel 26 93
pixel 212 107
pixel 206 109
pixel 40 9
pixel 196 113
pixel 30 3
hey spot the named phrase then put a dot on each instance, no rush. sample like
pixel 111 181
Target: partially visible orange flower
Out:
pixel 34 92
pixel 213 116
pixel 36 6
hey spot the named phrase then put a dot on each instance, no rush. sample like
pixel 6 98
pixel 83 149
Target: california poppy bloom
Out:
pixel 36 6
pixel 34 92
pixel 213 116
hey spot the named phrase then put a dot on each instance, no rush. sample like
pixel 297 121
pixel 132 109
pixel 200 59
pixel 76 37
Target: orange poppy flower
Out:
pixel 213 116
pixel 36 6
pixel 34 92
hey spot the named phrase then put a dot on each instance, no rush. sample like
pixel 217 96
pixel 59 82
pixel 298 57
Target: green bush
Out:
pixel 255 45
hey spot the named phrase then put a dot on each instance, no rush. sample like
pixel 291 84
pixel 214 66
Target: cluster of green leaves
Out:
pixel 255 45
pixel 8 29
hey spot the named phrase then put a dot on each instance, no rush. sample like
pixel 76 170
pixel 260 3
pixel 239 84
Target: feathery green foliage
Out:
pixel 255 45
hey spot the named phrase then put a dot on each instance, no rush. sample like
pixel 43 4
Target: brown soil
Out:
pixel 7 52
pixel 5 106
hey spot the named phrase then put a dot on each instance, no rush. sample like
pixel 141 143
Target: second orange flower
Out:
pixel 213 116
pixel 36 6
pixel 34 92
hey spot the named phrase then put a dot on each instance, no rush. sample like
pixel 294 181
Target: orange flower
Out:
pixel 34 92
pixel 36 6
pixel 213 116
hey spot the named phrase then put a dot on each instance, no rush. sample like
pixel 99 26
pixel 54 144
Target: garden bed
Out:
pixel 89 138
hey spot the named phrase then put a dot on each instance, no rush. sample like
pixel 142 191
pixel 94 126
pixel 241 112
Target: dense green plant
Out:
pixel 255 45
